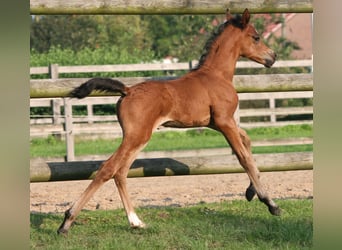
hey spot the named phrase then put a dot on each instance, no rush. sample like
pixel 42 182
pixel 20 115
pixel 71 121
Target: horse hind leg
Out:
pixel 241 147
pixel 255 187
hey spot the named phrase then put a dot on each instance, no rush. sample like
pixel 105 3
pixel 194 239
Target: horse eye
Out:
pixel 256 38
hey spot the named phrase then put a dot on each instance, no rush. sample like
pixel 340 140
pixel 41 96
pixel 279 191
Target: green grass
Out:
pixel 179 140
pixel 226 225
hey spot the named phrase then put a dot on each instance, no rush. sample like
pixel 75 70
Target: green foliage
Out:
pixel 77 32
pixel 40 111
pixel 181 36
pixel 295 102
pixel 106 109
pixel 293 131
pixel 226 225
pixel 87 56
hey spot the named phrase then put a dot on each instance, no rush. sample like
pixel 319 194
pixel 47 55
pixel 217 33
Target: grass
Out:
pixel 191 139
pixel 226 225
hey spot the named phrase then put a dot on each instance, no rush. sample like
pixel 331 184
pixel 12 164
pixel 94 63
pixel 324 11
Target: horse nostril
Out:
pixel 272 54
pixel 275 55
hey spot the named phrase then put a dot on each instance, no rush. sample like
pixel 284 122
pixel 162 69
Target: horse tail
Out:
pixel 102 84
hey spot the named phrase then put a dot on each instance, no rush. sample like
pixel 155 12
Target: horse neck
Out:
pixel 224 54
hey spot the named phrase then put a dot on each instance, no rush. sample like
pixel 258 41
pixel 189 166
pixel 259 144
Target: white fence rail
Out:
pixel 54 69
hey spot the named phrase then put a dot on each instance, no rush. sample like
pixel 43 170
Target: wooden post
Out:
pixel 90 113
pixel 56 111
pixel 272 107
pixel 53 71
pixel 68 128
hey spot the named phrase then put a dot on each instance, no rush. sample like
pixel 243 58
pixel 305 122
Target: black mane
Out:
pixel 236 21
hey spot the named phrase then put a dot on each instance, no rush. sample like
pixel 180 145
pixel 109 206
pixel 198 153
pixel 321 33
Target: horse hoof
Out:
pixel 250 193
pixel 62 231
pixel 275 210
pixel 142 226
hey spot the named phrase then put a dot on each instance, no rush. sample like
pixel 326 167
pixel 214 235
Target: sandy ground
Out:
pixel 169 191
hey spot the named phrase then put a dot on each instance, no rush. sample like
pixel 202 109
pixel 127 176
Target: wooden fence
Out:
pixel 68 126
pixel 60 87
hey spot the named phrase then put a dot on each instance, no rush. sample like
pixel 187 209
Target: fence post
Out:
pixel 53 71
pixel 90 113
pixel 272 107
pixel 68 128
pixel 190 65
pixel 56 110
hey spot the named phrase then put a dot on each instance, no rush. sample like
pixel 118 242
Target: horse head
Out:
pixel 252 46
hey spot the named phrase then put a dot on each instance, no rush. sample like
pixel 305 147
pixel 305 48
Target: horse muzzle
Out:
pixel 270 59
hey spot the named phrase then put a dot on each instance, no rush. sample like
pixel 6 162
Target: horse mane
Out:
pixel 236 21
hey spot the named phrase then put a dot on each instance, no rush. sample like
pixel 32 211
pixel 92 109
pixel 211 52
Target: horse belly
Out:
pixel 182 124
pixel 192 118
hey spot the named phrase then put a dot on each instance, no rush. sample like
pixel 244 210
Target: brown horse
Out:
pixel 204 97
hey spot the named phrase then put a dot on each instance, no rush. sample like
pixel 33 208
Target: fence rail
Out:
pixel 41 171
pixel 51 88
pixel 54 69
pixel 166 6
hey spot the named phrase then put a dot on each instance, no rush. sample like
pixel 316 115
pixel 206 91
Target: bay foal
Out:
pixel 204 97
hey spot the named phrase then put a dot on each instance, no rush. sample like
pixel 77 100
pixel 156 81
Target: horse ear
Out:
pixel 228 15
pixel 245 18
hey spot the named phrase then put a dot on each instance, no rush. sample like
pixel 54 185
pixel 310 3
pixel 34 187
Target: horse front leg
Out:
pixel 250 191
pixel 240 144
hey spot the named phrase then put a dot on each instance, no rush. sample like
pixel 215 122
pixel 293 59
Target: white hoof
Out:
pixel 135 222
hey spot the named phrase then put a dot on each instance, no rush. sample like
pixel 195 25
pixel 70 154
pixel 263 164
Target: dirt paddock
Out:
pixel 56 197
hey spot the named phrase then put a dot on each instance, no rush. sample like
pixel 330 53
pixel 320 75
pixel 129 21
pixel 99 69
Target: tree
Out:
pixel 67 31
pixel 181 36
pixel 77 32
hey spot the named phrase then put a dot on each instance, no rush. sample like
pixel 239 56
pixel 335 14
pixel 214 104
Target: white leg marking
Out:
pixel 134 221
